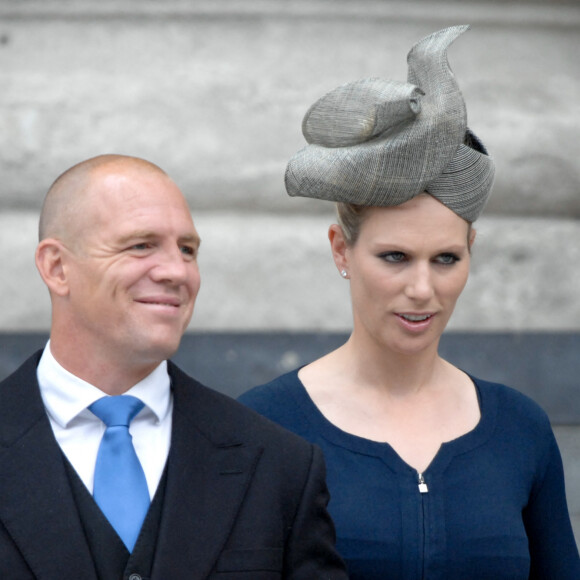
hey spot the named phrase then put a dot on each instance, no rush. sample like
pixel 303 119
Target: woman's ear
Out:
pixel 472 234
pixel 339 248
pixel 50 261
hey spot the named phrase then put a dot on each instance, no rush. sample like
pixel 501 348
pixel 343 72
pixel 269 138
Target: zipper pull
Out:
pixel 422 485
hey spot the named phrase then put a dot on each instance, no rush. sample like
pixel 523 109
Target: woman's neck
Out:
pixel 398 373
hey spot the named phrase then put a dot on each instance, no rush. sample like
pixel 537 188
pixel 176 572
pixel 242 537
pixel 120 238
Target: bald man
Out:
pixel 200 487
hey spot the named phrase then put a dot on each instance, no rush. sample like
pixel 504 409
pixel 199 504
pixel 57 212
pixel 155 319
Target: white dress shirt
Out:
pixel 79 432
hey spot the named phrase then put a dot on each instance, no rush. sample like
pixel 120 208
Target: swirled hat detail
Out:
pixel 380 142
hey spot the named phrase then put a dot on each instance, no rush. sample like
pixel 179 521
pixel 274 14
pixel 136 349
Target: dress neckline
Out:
pixel 487 400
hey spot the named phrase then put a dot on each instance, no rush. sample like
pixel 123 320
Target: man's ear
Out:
pixel 338 247
pixel 50 259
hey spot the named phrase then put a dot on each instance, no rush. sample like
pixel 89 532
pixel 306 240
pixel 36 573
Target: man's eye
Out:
pixel 142 246
pixel 188 250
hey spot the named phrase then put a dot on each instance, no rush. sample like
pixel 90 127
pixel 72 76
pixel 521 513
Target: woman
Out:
pixel 433 473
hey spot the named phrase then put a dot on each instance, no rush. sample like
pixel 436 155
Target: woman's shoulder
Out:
pixel 511 405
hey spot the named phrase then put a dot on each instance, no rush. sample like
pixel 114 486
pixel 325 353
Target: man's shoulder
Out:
pixel 25 372
pixel 20 401
pixel 223 416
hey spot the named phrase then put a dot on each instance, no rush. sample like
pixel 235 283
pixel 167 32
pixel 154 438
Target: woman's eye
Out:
pixel 393 257
pixel 447 259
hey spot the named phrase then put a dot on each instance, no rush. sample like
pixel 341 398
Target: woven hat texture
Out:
pixel 381 142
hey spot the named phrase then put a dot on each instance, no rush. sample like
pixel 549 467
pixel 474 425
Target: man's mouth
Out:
pixel 171 302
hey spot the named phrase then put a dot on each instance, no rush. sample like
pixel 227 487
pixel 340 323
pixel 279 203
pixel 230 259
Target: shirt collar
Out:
pixel 66 396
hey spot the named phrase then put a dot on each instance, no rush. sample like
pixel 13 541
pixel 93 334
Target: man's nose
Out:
pixel 172 266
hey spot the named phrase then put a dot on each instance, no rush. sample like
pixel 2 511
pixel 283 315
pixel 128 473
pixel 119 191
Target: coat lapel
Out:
pixel 207 478
pixel 36 504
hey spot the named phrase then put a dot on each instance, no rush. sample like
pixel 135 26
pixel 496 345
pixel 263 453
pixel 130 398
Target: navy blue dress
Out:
pixel 492 505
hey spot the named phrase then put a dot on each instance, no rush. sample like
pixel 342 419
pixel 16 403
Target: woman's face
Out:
pixel 407 269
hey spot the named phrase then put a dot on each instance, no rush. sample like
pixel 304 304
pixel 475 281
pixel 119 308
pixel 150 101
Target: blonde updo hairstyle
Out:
pixel 350 218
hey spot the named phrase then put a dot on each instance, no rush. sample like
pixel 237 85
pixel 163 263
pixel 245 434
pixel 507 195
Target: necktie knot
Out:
pixel 117 411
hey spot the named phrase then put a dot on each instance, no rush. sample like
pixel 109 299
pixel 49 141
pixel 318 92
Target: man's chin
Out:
pixel 156 352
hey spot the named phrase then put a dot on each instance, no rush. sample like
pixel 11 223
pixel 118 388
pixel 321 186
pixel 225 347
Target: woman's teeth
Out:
pixel 415 317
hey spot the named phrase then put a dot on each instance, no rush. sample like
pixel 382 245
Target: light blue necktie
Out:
pixel 120 487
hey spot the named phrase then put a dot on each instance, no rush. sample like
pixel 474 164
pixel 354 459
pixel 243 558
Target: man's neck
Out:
pixel 104 373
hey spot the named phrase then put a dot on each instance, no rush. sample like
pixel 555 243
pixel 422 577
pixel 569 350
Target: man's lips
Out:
pixel 160 301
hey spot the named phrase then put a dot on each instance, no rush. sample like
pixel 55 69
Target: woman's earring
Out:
pixel 343 273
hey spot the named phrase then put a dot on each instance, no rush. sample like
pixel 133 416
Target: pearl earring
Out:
pixel 343 273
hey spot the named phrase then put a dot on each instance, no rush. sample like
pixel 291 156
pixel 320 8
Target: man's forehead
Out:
pixel 127 191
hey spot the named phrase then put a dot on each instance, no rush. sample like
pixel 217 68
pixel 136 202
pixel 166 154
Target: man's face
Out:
pixel 133 276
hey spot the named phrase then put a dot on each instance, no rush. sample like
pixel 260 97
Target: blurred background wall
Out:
pixel 214 92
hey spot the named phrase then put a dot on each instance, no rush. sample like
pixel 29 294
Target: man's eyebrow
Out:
pixel 137 234
pixel 191 238
pixel 149 235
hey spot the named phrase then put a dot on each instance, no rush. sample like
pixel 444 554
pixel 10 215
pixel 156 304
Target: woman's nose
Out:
pixel 420 283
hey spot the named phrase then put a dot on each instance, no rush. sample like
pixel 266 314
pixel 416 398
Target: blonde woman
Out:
pixel 433 473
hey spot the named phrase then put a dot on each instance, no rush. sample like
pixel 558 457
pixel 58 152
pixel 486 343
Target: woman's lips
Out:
pixel 415 321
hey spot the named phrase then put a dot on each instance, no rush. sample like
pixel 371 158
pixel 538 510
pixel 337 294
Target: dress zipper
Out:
pixel 422 485
pixel 423 490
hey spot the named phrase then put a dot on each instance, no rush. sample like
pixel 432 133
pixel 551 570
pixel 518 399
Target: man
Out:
pixel 224 493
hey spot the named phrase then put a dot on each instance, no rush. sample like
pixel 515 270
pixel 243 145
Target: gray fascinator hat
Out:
pixel 376 142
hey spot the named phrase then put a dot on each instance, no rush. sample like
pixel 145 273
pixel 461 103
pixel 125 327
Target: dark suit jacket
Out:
pixel 245 499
